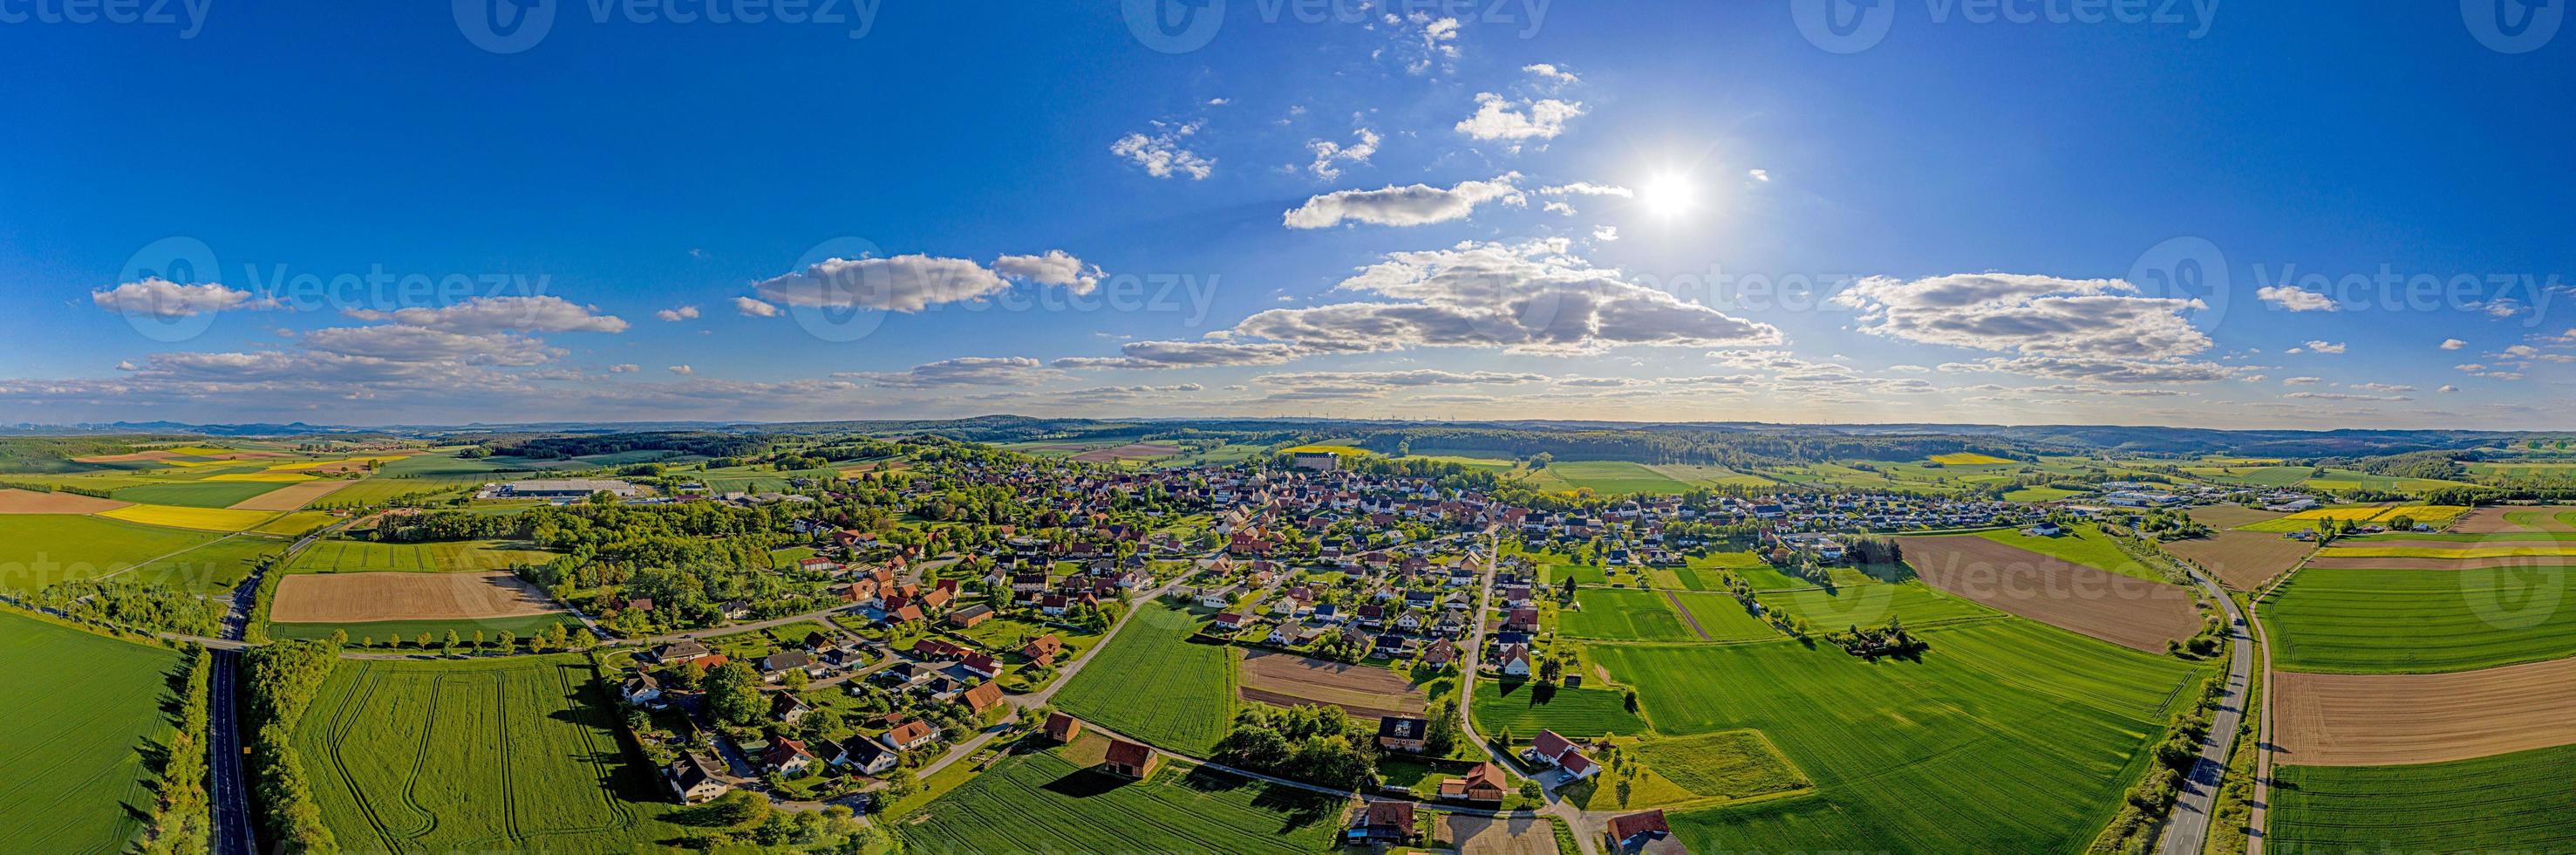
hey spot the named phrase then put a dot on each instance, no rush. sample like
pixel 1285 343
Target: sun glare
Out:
pixel 1669 195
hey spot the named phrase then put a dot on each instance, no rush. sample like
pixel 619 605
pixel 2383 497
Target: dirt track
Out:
pixel 360 597
pixel 2126 611
pixel 32 502
pixel 2390 719
pixel 291 497
pixel 1365 691
pixel 2243 560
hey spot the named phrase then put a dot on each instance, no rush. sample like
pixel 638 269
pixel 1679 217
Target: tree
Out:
pixel 1442 736
pixel 506 641
pixel 452 642
pixel 733 694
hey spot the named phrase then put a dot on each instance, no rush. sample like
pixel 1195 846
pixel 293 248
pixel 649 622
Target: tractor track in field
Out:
pixel 1687 617
pixel 420 760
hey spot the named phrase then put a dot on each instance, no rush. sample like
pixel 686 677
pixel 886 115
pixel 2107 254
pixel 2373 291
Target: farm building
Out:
pixel 571 488
pixel 1062 728
pixel 1382 824
pixel 1644 833
pixel 1483 783
pixel 1128 759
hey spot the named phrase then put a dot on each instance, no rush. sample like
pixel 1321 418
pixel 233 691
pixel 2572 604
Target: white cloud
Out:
pixel 755 308
pixel 903 283
pixel 2327 347
pixel 1162 154
pixel 2301 381
pixel 1549 72
pixel 625 368
pixel 1185 354
pixel 1056 267
pixel 1419 204
pixel 497 314
pixel 2295 299
pixel 1412 378
pixel 410 344
pixel 2447 389
pixel 681 313
pixel 2344 396
pixel 1501 118
pixel 2081 319
pixel 2391 388
pixel 1586 188
pixel 1758 174
pixel 1605 234
pixel 1329 153
pixel 2453 344
pixel 162 298
pixel 683 370
pixel 965 371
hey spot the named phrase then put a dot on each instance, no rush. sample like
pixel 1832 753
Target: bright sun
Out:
pixel 1669 195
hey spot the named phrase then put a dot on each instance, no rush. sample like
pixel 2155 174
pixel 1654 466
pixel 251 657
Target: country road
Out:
pixel 2186 829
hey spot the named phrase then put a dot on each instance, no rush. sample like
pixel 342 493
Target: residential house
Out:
pixel 1387 823
pixel 641 690
pixel 866 756
pixel 1043 649
pixel 981 664
pixel 776 665
pixel 787 708
pixel 1644 833
pixel 1228 622
pixel 910 735
pixel 1397 733
pixel 693 779
pixel 1482 783
pixel 786 757
pixel 1440 654
pixel 983 697
pixel 1515 661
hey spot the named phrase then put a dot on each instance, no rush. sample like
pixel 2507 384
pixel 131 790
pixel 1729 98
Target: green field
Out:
pixel 1873 604
pixel 1525 709
pixel 1724 617
pixel 213 568
pixel 1898 750
pixel 81 710
pixel 1580 573
pixel 2520 802
pixel 2079 545
pixel 1605 476
pixel 522 626
pixel 40 549
pixel 1716 476
pixel 2040 494
pixel 509 754
pixel 1153 684
pixel 197 494
pixel 1044 803
pixel 2420 621
pixel 358 556
pixel 1623 614
pixel 1728 764
pixel 745 479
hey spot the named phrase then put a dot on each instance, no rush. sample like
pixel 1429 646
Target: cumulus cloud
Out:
pixel 399 343
pixel 2100 370
pixel 1329 154
pixel 1054 267
pixel 2301 381
pixel 680 313
pixel 2327 347
pixel 1758 174
pixel 625 368
pixel 1549 72
pixel 964 371
pixel 1163 154
pixel 755 308
pixel 2344 396
pixel 1412 378
pixel 1185 354
pixel 163 298
pixel 498 314
pixel 683 370
pixel 903 283
pixel 2295 299
pixel 1499 118
pixel 1419 204
pixel 2037 315
pixel 1605 234
pixel 2453 344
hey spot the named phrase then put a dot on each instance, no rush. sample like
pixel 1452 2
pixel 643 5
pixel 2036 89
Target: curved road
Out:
pixel 2186 829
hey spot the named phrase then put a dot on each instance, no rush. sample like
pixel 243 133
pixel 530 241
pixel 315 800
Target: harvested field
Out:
pixel 1132 451
pixel 1365 691
pixel 2123 610
pixel 2490 562
pixel 125 458
pixel 364 597
pixel 2394 719
pixel 2242 560
pixel 1475 835
pixel 2504 520
pixel 32 502
pixel 2383 548
pixel 291 497
pixel 2228 516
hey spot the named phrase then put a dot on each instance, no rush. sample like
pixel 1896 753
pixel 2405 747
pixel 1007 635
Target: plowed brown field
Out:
pixel 2492 520
pixel 32 502
pixel 2392 719
pixel 2123 610
pixel 291 497
pixel 2323 562
pixel 1365 691
pixel 2243 560
pixel 362 597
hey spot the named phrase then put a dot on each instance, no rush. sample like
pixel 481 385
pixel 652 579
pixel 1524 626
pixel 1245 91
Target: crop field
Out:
pixel 81 710
pixel 2518 519
pixel 296 524
pixel 2392 719
pixel 2506 803
pixel 2120 609
pixel 1325 448
pixel 1581 573
pixel 515 754
pixel 262 478
pixel 1727 764
pixel 2081 546
pixel 1624 614
pixel 2452 550
pixel 383 489
pixel 1896 749
pixel 359 556
pixel 382 596
pixel 1367 692
pixel 1719 616
pixel 2040 494
pixel 1480 464
pixel 196 494
pixel 20 502
pixel 40 549
pixel 745 479
pixel 1970 458
pixel 291 497
pixel 1152 683
pixel 1042 802
pixel 1527 708
pixel 212 568
pixel 2242 560
pixel 1873 604
pixel 201 519
pixel 1716 476
pixel 1609 477
pixel 2420 621
pixel 524 626
pixel 348 464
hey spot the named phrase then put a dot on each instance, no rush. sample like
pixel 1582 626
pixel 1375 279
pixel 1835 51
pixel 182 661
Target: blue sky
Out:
pixel 1684 211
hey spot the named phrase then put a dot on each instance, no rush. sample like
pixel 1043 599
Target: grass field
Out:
pixel 81 709
pixel 381 489
pixel 1526 708
pixel 1724 618
pixel 1914 603
pixel 201 519
pixel 357 556
pixel 1043 802
pixel 745 479
pixel 511 754
pixel 295 524
pixel 2518 802
pixel 212 568
pixel 2081 546
pixel 1605 476
pixel 1580 573
pixel 1897 749
pixel 2391 550
pixel 2419 621
pixel 1153 684
pixel 260 478
pixel 1716 476
pixel 197 494
pixel 1624 614
pixel 40 549
pixel 1728 764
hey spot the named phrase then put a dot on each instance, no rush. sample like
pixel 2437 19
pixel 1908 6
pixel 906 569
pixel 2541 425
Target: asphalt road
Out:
pixel 2186 830
pixel 233 833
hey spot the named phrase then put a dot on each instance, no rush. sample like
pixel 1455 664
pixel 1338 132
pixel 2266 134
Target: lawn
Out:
pixel 1624 614
pixel 2080 546
pixel 1914 603
pixel 2517 802
pixel 197 494
pixel 2420 621
pixel 355 556
pixel 505 754
pixel 1042 802
pixel 1524 709
pixel 1898 750
pixel 82 709
pixel 1152 683
pixel 40 549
